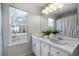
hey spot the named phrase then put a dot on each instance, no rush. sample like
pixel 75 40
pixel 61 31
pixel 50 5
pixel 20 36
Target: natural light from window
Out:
pixel 50 22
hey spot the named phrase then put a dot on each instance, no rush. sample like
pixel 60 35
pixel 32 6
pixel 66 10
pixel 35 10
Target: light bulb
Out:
pixel 43 11
pixel 50 6
pixel 50 10
pixel 46 12
pixel 46 8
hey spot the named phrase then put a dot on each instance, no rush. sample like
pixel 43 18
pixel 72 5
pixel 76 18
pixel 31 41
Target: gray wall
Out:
pixel 43 23
pixel 34 27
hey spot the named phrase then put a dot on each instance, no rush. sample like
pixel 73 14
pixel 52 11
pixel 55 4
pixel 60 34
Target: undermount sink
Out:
pixel 58 41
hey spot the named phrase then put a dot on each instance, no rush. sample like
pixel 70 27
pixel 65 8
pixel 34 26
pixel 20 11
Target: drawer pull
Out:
pixel 43 45
pixel 51 55
pixel 58 52
pixel 48 53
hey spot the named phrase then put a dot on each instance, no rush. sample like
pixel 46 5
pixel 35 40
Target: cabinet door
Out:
pixel 44 49
pixel 36 46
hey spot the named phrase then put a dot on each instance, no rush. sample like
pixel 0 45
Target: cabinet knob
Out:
pixel 58 52
pixel 48 53
pixel 43 45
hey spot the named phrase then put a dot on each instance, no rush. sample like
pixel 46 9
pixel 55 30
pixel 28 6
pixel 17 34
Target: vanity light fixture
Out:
pixel 52 7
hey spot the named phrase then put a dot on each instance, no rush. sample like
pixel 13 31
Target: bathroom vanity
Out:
pixel 46 47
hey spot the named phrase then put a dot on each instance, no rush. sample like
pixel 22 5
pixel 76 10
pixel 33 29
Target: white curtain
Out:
pixel 0 34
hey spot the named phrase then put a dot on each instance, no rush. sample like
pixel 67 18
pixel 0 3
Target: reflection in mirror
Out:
pixel 50 22
pixel 65 20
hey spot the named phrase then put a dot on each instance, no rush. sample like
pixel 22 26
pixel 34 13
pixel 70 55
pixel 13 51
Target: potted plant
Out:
pixel 46 33
pixel 49 31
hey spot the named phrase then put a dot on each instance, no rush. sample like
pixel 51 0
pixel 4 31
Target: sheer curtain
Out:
pixel 0 34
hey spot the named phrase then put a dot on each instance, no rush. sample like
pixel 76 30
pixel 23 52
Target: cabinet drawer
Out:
pixel 57 52
pixel 36 46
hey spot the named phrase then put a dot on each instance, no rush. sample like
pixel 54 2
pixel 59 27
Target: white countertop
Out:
pixel 70 47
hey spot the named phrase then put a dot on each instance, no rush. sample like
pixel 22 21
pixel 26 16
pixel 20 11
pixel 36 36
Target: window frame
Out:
pixel 26 26
pixel 53 22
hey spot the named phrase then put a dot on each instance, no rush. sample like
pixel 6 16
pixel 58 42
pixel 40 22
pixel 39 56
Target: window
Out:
pixel 50 22
pixel 18 26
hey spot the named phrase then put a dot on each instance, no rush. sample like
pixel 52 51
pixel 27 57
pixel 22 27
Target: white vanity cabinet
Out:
pixel 41 48
pixel 44 49
pixel 56 52
pixel 36 46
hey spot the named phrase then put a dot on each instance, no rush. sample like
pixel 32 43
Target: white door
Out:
pixel 0 34
pixel 44 49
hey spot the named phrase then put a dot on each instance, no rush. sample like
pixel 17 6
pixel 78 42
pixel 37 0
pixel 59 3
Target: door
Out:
pixel 0 34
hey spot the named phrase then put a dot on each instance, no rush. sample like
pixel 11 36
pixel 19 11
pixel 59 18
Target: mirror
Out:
pixel 65 20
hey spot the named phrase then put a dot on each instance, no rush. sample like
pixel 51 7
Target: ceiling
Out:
pixel 31 7
pixel 37 7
